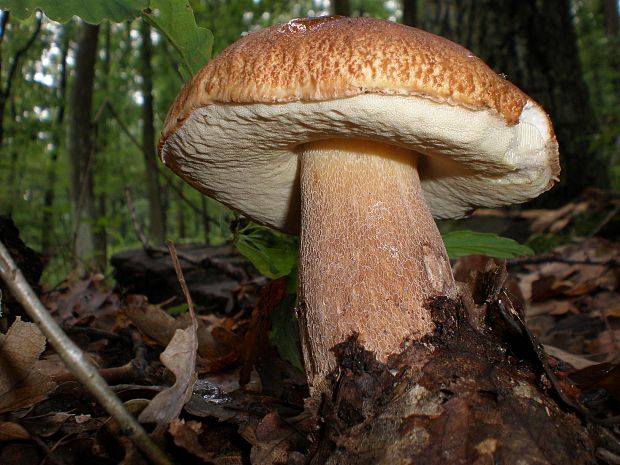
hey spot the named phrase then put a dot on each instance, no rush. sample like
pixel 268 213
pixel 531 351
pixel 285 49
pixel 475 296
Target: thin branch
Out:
pixel 75 360
pixel 83 190
pixel 183 197
pixel 204 262
pixel 610 216
pixel 4 22
pixel 134 220
pixel 161 172
pixel 18 55
pixel 177 269
pixel 122 125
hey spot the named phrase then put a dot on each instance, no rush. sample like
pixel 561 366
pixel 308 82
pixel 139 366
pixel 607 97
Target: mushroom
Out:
pixel 355 132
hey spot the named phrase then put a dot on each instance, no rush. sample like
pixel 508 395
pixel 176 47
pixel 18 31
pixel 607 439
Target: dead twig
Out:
pixel 177 268
pixel 203 262
pixel 605 221
pixel 75 360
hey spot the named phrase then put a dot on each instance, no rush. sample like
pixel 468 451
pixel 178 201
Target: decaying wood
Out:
pixel 212 273
pixel 467 394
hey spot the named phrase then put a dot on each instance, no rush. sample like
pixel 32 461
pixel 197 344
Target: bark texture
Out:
pixel 341 7
pixel 80 146
pixel 156 211
pixel 612 18
pixel 533 43
pixel 370 252
pixel 410 12
pixel 49 197
pixel 9 78
pixel 473 392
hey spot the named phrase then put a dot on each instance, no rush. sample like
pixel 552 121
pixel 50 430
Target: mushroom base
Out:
pixel 370 254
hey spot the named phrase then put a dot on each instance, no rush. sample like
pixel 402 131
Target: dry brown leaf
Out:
pixel 273 440
pixel 574 360
pixel 10 431
pixel 156 323
pixel 86 298
pixel 180 358
pixel 185 435
pixel 21 384
pixel 551 307
pixel 562 307
pixel 606 343
pixel 151 320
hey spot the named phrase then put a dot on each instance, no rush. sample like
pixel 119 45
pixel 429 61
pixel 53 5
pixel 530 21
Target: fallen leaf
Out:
pixel 208 447
pixel 574 360
pixel 20 454
pixel 10 431
pixel 603 375
pixel 86 298
pixel 21 384
pixel 274 440
pixel 45 425
pixel 156 323
pixel 180 358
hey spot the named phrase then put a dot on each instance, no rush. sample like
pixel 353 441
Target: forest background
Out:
pixel 81 107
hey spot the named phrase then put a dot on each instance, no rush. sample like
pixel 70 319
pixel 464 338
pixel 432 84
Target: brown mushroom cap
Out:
pixel 235 130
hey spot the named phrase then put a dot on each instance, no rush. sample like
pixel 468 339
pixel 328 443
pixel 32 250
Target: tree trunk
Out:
pixel 410 12
pixel 341 7
pixel 7 80
pixel 612 21
pixel 206 227
pixel 48 199
pixel 7 85
pixel 181 226
pixel 532 42
pixel 156 212
pixel 80 148
pixel 611 18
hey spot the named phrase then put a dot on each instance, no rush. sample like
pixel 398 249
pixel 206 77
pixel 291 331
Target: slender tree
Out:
pixel 49 196
pixel 410 12
pixel 206 226
pixel 80 148
pixel 341 7
pixel 7 85
pixel 532 42
pixel 13 68
pixel 611 18
pixel 156 211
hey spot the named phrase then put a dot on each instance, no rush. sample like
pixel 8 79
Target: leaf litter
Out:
pixel 247 405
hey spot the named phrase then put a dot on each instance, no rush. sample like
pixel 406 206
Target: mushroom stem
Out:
pixel 370 252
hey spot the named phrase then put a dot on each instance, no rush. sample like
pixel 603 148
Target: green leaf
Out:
pixel 175 20
pixel 461 243
pixel 91 11
pixel 178 310
pixel 272 253
pixel 284 334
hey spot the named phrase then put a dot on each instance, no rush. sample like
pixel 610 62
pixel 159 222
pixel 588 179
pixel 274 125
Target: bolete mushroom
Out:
pixel 355 132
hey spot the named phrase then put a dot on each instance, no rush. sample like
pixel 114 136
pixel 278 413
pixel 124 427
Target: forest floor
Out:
pixel 245 402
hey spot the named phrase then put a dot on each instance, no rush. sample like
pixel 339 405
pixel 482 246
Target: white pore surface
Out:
pixel 246 156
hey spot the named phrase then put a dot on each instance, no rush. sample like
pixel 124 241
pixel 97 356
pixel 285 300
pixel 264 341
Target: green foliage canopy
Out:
pixel 173 18
pixel 91 11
